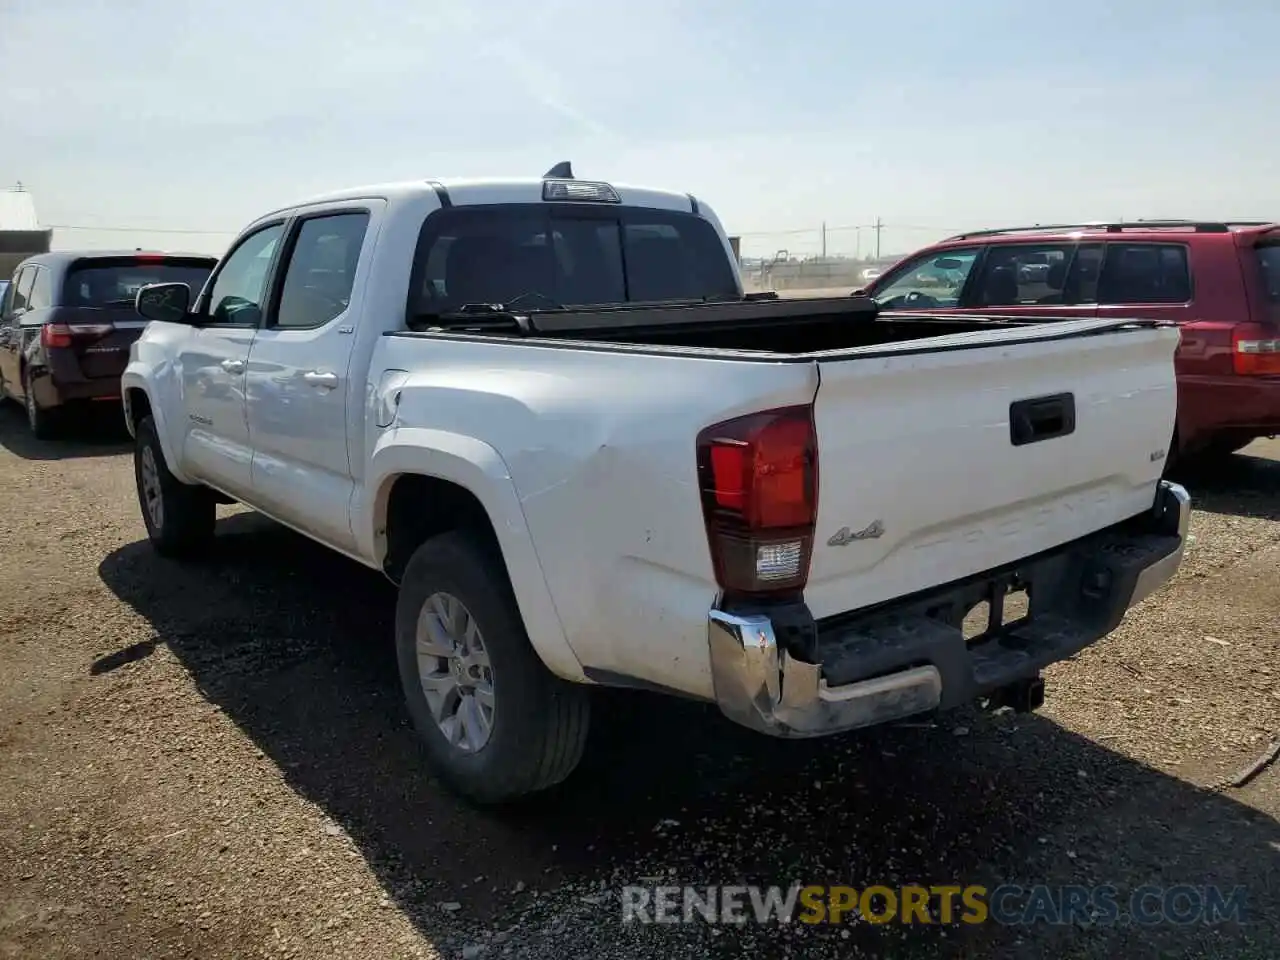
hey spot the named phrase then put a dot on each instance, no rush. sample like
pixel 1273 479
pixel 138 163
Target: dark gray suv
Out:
pixel 67 321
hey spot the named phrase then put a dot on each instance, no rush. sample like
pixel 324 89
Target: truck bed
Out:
pixel 946 445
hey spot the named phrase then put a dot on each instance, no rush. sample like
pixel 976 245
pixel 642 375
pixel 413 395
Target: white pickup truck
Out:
pixel 546 409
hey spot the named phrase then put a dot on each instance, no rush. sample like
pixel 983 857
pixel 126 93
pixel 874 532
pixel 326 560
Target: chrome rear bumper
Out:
pixel 759 684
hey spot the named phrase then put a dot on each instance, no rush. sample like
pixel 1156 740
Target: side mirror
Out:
pixel 860 292
pixel 164 302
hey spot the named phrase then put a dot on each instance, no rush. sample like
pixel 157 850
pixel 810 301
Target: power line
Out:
pixel 779 233
pixel 79 226
pixel 846 227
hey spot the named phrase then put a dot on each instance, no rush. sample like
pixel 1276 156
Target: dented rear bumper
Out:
pixel 778 671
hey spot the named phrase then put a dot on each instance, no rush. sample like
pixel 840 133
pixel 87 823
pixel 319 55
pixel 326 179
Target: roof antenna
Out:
pixel 561 171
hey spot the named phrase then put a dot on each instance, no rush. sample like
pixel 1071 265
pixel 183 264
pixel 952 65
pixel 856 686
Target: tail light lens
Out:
pixel 65 334
pixel 55 335
pixel 759 480
pixel 1255 349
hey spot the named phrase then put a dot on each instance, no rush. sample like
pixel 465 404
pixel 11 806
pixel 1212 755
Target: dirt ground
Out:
pixel 213 761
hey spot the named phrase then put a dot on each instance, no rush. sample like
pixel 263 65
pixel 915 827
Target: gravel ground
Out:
pixel 212 761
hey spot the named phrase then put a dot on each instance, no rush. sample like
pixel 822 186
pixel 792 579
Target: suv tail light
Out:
pixel 1255 349
pixel 65 334
pixel 759 480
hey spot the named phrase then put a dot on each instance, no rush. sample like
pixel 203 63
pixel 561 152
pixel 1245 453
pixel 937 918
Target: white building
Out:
pixel 20 233
pixel 17 210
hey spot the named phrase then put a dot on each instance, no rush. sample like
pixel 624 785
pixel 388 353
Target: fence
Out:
pixel 816 273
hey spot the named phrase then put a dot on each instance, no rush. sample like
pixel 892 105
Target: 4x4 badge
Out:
pixel 845 536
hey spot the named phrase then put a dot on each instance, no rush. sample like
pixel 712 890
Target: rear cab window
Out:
pixel 115 281
pixel 538 256
pixel 321 272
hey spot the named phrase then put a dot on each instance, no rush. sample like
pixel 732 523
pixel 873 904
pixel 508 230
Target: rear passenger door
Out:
pixel 303 400
pixel 1043 280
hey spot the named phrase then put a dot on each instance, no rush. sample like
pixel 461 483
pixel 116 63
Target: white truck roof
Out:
pixel 464 192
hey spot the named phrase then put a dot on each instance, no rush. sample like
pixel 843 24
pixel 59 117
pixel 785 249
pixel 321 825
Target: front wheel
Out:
pixel 180 517
pixel 497 725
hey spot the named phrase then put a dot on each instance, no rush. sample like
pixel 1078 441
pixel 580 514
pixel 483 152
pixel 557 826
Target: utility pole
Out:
pixel 879 227
pixel 824 239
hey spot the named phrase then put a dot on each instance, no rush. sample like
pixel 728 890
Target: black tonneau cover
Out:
pixel 639 318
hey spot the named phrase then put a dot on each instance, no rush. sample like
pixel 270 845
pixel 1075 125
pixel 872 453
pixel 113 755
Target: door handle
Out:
pixel 233 366
pixel 321 378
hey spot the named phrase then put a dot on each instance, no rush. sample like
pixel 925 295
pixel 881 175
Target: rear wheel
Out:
pixel 180 517
pixel 1225 448
pixel 1211 454
pixel 497 725
pixel 43 423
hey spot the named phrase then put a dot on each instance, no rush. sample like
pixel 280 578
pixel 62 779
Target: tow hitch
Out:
pixel 1023 696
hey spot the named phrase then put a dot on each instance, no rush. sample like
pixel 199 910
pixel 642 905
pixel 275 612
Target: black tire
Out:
pixel 185 523
pixel 1220 449
pixel 44 424
pixel 1173 459
pixel 1210 456
pixel 539 723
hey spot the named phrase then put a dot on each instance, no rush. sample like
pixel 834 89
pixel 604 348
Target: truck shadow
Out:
pixel 293 643
pixel 1245 484
pixel 98 431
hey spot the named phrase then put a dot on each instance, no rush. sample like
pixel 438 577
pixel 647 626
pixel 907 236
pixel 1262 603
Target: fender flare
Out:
pixel 132 380
pixel 478 468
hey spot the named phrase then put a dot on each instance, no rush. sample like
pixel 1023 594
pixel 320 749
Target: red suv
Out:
pixel 1219 281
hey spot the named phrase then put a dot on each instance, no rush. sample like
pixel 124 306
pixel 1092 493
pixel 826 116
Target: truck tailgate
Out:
pixel 940 459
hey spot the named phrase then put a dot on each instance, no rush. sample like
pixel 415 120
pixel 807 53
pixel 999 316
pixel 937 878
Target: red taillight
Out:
pixel 759 481
pixel 65 334
pixel 55 335
pixel 1255 349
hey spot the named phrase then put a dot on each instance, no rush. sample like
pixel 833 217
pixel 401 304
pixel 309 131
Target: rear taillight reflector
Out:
pixel 759 480
pixel 1255 350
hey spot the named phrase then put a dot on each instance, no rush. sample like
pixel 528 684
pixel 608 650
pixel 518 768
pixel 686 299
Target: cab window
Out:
pixel 1023 274
pixel 240 287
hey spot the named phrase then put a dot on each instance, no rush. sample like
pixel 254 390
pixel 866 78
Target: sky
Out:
pixel 175 123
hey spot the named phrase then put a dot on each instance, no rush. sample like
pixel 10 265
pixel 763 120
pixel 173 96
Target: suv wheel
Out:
pixel 43 423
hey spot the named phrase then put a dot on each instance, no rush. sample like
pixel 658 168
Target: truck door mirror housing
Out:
pixel 165 302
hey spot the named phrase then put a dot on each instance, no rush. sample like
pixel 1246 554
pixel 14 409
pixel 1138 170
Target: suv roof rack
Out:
pixel 1199 226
